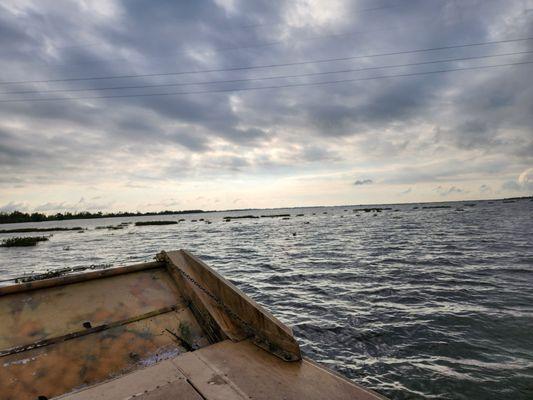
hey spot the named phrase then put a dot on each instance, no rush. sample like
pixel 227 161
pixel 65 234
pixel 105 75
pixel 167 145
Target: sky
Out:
pixel 230 104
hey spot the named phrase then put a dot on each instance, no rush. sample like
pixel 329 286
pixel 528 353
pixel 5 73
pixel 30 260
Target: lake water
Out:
pixel 412 302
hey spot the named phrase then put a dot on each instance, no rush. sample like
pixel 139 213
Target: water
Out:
pixel 414 303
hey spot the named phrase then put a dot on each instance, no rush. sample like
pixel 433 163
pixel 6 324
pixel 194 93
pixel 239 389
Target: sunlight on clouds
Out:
pixel 101 8
pixel 228 5
pixel 526 179
pixel 314 12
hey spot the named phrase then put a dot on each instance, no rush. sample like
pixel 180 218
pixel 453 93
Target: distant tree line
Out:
pixel 18 216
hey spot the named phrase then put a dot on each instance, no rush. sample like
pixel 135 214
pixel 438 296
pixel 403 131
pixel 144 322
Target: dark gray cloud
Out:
pixel 12 153
pixel 476 123
pixel 360 182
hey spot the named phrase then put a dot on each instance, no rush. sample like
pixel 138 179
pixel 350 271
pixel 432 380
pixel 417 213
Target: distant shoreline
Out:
pixel 20 217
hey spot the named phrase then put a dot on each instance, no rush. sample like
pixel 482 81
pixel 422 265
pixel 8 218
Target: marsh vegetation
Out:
pixel 23 241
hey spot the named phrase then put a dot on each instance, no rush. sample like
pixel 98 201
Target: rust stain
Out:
pixel 41 314
pixel 59 368
pixel 54 312
pixel 31 328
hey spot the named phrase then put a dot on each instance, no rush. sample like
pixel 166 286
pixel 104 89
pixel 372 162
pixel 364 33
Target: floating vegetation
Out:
pixel 299 215
pixel 144 223
pixel 112 227
pixel 285 218
pixel 430 207
pixel 23 241
pixel 25 230
pixel 58 272
pixel 276 216
pixel 374 209
pixel 242 217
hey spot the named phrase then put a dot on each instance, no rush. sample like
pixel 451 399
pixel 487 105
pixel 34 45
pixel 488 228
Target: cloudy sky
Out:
pixel 234 104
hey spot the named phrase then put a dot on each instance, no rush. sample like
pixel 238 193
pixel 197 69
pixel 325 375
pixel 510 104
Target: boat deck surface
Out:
pixel 169 329
pixel 229 371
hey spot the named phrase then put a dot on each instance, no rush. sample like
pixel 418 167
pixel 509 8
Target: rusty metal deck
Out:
pixel 156 329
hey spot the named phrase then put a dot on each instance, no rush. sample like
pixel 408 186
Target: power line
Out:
pixel 449 47
pixel 268 87
pixel 269 77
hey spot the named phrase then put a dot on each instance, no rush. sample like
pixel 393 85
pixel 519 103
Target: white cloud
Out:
pixel 525 179
pixel 458 130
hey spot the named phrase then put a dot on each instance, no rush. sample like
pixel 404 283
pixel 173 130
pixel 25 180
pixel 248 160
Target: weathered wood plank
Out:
pixel 229 370
pixel 240 316
pixel 208 381
pixel 161 381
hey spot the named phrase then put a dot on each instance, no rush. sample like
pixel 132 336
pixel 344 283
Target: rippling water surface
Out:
pixel 412 302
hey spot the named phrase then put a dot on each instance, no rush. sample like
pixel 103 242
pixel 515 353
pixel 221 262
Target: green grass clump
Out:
pixel 111 227
pixel 144 223
pixel 23 241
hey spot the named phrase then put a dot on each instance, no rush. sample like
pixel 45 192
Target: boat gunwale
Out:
pixel 78 277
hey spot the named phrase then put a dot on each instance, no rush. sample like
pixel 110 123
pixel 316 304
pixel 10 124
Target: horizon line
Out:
pixel 192 211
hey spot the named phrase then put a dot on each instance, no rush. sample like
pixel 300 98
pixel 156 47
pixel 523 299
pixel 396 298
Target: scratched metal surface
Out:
pixel 61 367
pixel 41 314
